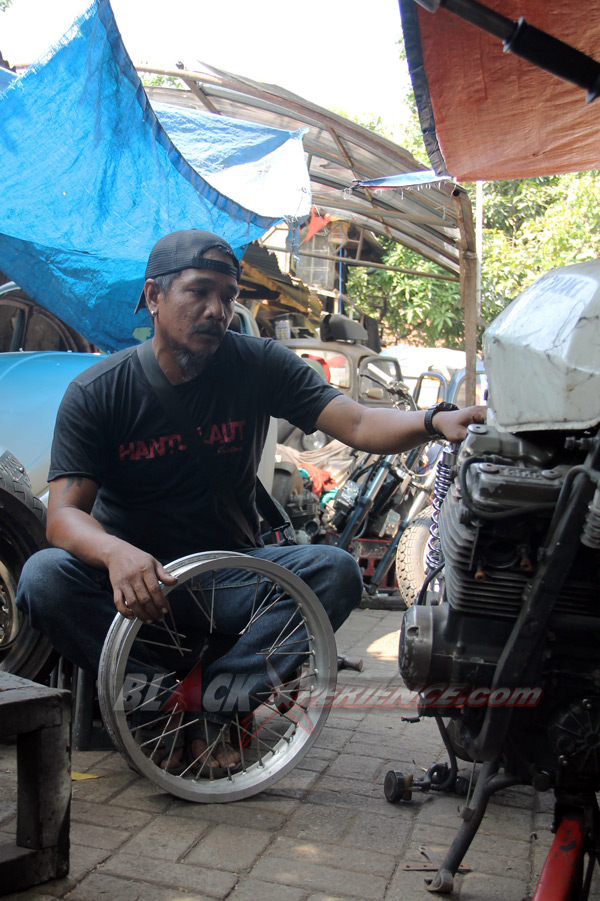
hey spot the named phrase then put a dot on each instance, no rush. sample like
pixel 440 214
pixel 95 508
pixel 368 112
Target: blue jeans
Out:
pixel 72 604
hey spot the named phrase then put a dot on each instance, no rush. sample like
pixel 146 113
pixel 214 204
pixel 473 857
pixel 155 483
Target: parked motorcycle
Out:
pixel 381 495
pixel 504 652
pixel 370 513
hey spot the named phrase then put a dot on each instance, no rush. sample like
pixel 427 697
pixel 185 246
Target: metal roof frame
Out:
pixel 339 153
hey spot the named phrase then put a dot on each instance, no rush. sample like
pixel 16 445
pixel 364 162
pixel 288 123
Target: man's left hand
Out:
pixel 453 423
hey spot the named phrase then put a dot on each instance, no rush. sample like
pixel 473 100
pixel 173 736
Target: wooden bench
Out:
pixel 40 718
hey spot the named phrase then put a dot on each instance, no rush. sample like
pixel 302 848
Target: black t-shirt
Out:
pixel 112 428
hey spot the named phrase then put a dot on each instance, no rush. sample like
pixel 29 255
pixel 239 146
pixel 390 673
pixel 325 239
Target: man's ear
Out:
pixel 151 291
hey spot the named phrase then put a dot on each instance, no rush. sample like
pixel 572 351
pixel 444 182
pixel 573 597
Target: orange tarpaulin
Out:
pixel 487 114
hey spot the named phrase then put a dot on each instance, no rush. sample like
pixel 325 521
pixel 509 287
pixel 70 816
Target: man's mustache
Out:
pixel 216 331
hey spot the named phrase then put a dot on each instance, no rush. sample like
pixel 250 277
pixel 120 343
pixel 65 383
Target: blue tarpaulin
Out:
pixel 261 167
pixel 90 179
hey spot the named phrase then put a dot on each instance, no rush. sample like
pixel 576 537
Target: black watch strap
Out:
pixel 441 407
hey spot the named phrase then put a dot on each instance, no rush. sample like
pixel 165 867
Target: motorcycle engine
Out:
pixel 493 525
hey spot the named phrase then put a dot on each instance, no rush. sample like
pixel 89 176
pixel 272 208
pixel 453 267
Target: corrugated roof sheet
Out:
pixel 339 153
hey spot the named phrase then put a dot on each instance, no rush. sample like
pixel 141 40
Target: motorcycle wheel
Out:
pixel 24 651
pixel 410 556
pixel 278 733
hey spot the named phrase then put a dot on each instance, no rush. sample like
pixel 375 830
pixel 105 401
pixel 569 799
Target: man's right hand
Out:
pixel 135 577
pixel 134 574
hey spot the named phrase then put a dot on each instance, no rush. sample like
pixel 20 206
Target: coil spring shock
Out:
pixel 591 530
pixel 443 479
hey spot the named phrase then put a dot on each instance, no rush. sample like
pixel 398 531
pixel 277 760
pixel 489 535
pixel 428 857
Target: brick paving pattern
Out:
pixel 323 833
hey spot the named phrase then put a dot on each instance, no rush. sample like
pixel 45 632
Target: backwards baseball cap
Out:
pixel 185 250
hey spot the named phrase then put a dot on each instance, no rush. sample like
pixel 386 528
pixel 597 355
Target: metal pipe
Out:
pixel 530 43
pixel 348 261
pixel 482 17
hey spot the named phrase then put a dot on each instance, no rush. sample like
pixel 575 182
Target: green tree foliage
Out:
pixel 529 226
pixel 157 80
pixel 4 4
pixel 410 308
pixel 533 225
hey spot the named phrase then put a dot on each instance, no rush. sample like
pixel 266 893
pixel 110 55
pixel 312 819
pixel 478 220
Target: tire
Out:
pixel 287 481
pixel 273 739
pixel 23 651
pixel 410 556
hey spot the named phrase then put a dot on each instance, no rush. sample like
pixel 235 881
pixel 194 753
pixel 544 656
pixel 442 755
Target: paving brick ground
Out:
pixel 323 833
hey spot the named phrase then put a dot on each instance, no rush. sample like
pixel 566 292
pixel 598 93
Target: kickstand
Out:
pixel 432 862
pixel 489 782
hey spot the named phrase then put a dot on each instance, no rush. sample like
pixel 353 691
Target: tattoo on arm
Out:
pixel 72 480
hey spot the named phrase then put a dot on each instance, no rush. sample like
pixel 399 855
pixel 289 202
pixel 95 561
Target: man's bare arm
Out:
pixel 382 430
pixel 133 573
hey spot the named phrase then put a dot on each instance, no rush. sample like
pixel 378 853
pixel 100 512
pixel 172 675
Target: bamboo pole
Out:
pixel 468 287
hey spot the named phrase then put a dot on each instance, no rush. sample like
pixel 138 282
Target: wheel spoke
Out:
pixel 159 693
pixel 264 607
pixel 174 636
pixel 279 640
pixel 192 592
pixel 162 644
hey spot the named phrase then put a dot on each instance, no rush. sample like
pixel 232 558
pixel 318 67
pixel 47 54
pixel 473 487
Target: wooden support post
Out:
pixel 468 287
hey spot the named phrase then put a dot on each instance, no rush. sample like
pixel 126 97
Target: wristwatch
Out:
pixel 441 407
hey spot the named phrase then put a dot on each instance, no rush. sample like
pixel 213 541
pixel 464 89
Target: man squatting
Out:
pixel 127 496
